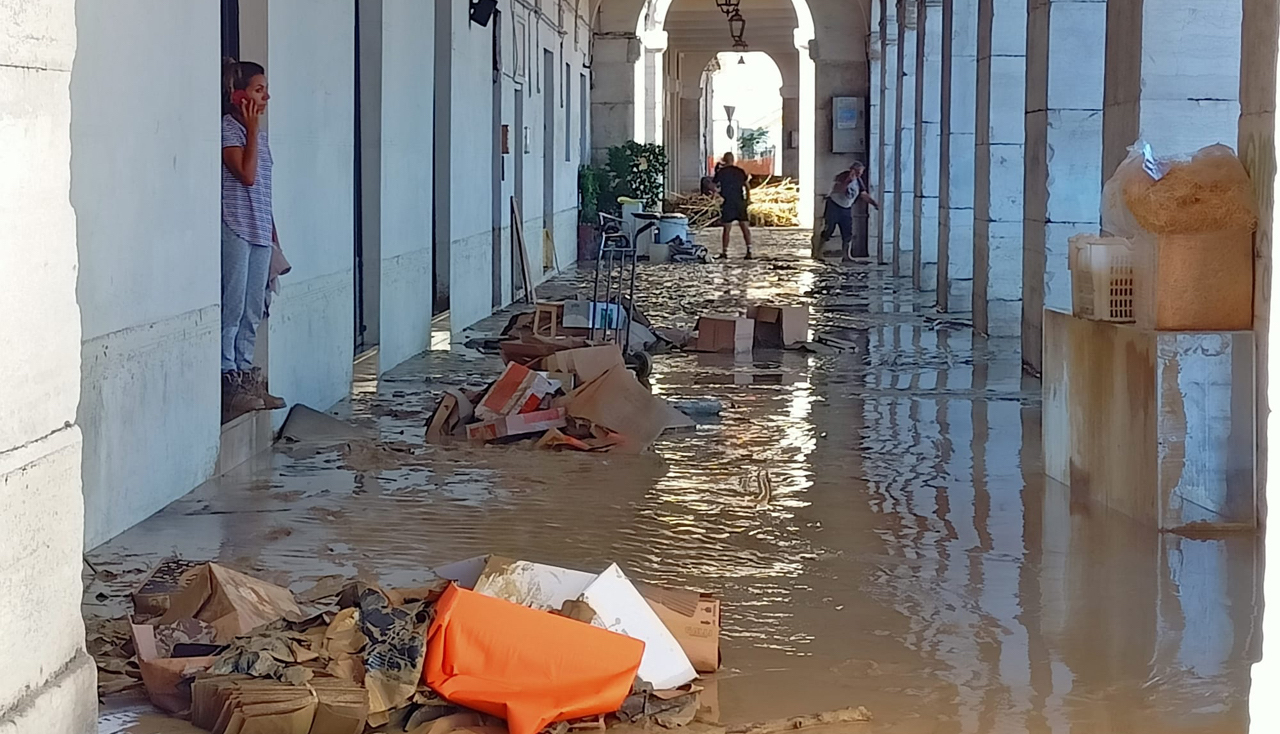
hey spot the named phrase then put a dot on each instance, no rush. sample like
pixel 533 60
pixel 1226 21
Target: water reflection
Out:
pixel 910 556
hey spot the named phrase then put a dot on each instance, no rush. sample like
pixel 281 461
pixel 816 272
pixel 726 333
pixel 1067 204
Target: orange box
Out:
pixel 519 389
pixel 517 425
pixel 529 667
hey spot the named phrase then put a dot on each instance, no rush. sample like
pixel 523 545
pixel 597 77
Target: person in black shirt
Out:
pixel 737 195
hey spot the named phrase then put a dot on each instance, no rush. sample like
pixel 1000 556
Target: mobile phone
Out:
pixel 238 97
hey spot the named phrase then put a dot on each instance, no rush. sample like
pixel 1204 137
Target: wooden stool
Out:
pixel 554 313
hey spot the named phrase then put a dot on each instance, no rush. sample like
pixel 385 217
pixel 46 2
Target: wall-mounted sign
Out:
pixel 845 110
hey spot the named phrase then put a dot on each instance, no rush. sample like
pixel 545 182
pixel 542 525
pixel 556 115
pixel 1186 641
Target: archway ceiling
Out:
pixel 698 25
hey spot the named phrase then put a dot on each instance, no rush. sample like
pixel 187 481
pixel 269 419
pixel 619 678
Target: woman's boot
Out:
pixel 236 401
pixel 256 384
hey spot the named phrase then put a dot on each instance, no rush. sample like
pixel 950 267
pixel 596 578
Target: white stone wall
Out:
pixel 407 148
pixel 47 682
pixel 145 133
pixel 472 193
pixel 311 71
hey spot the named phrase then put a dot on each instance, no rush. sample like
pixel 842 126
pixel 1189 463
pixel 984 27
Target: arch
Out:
pixel 650 28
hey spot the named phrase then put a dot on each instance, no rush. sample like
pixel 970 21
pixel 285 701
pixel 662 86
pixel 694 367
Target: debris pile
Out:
pixel 773 204
pixel 560 388
pixel 491 644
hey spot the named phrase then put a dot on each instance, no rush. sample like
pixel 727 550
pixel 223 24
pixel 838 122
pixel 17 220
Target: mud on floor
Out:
pixel 910 557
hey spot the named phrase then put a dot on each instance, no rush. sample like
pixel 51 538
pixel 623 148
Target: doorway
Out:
pixel 547 245
pixel 442 163
pixel 517 142
pixel 367 172
pixel 495 164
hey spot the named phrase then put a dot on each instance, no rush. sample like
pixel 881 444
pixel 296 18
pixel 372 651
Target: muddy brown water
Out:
pixel 910 558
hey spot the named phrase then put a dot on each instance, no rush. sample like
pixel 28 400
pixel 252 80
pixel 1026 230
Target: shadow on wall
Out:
pixel 145 189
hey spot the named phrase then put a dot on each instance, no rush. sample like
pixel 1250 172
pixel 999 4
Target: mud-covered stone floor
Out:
pixel 911 557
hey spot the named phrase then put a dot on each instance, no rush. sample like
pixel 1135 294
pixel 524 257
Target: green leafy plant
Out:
pixel 590 184
pixel 751 141
pixel 636 170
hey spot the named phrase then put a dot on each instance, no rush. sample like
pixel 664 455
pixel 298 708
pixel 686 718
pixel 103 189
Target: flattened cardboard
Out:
pixel 617 401
pixel 694 620
pixel 587 363
pixel 233 602
pixel 453 412
pixel 724 334
pixel 620 608
pixel 779 327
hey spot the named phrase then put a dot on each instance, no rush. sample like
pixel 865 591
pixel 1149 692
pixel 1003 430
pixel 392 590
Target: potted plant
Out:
pixel 589 191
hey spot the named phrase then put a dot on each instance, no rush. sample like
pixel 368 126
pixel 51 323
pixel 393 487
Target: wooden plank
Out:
pixel 517 240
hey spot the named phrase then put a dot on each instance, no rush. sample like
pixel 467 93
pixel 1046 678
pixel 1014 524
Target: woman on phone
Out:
pixel 248 231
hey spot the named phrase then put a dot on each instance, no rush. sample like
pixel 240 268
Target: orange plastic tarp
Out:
pixel 529 667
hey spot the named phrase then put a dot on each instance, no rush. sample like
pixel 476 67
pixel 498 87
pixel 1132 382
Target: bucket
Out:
pixel 672 226
pixel 630 208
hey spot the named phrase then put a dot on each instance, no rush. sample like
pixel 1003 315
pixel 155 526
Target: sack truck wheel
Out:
pixel 640 363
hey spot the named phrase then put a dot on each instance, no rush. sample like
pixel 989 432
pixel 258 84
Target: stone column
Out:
pixel 875 150
pixel 955 186
pixel 1172 76
pixel 997 180
pixel 904 140
pixel 652 128
pixel 790 128
pixel 788 61
pixel 48 683
pixel 1066 51
pixel 886 174
pixel 924 229
pixel 689 173
pixel 613 88
pixel 1257 146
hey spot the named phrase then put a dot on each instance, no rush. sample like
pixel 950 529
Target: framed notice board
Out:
pixel 848 125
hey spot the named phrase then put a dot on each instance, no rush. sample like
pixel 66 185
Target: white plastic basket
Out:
pixel 1104 272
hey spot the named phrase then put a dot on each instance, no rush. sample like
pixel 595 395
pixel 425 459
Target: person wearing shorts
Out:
pixel 734 190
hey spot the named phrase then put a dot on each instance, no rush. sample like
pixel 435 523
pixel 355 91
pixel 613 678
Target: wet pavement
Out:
pixel 911 557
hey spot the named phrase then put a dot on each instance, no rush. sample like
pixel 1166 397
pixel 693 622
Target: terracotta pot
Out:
pixel 588 242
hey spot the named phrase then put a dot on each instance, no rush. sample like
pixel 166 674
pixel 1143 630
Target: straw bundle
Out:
pixel 773 204
pixel 1209 193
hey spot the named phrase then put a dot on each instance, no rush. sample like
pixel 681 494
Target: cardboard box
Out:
pixel 167 679
pixel 694 620
pixel 518 390
pixel 587 363
pixel 516 425
pixel 232 602
pixel 725 334
pixel 779 327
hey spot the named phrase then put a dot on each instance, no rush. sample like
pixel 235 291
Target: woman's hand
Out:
pixel 251 113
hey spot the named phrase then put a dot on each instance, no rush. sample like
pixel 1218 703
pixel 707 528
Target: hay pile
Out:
pixel 773 204
pixel 1209 193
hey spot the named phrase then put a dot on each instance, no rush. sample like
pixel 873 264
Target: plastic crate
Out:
pixel 1104 272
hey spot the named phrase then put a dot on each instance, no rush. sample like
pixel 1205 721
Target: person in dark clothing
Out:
pixel 737 196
